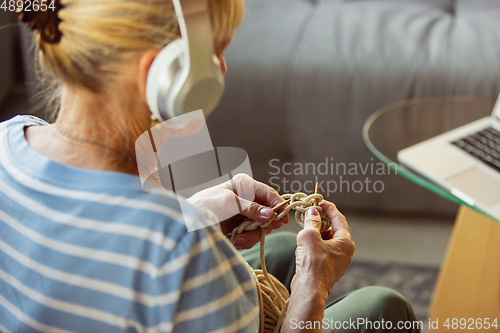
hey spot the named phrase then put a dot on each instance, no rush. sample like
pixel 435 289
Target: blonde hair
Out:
pixel 98 34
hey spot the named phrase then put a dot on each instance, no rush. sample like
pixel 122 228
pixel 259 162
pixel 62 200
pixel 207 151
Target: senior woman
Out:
pixel 83 248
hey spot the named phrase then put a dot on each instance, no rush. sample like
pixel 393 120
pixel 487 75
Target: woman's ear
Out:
pixel 223 64
pixel 144 65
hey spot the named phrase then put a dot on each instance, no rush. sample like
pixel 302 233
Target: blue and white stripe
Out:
pixel 88 251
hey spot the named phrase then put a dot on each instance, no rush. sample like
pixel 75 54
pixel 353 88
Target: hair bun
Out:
pixel 46 22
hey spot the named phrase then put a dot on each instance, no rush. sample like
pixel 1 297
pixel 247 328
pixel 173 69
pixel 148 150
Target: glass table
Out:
pixel 469 281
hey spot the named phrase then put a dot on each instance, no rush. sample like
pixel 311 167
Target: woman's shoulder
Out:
pixel 116 200
pixel 111 196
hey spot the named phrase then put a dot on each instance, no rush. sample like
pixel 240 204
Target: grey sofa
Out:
pixel 304 75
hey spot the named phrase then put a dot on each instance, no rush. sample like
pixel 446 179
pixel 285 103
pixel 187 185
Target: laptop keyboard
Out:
pixel 483 145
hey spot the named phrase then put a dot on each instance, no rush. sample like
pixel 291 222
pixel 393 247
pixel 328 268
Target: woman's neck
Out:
pixel 93 131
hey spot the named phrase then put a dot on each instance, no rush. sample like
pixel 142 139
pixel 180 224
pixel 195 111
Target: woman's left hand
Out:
pixel 219 198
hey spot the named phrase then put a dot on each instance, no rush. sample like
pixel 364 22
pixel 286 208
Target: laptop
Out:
pixel 465 161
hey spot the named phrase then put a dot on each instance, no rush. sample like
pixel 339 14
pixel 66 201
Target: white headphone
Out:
pixel 186 75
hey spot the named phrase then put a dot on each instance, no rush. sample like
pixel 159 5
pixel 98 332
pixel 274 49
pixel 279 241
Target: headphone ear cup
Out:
pixel 195 90
pixel 163 71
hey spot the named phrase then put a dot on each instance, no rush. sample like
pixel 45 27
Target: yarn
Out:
pixel 300 202
pixel 273 295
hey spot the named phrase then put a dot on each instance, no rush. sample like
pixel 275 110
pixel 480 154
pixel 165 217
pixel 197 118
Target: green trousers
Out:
pixel 370 309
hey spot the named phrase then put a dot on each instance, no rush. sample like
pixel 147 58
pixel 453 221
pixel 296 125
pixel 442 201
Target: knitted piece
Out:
pixel 300 202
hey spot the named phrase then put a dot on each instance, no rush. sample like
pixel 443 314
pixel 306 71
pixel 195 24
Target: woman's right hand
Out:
pixel 322 259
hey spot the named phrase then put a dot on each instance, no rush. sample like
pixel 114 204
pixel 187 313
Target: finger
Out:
pixel 254 211
pixel 243 186
pixel 293 282
pixel 340 227
pixel 312 220
pixel 268 196
pixel 248 188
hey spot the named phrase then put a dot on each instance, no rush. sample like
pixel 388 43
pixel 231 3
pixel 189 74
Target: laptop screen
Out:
pixel 496 109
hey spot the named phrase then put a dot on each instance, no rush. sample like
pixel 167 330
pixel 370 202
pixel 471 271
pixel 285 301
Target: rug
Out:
pixel 415 283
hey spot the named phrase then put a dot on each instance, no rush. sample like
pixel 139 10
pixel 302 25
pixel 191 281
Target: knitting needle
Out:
pixel 316 191
pixel 281 205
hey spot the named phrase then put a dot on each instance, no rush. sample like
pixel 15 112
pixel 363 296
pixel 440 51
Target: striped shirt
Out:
pixel 91 251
